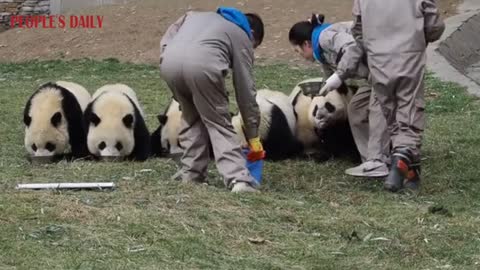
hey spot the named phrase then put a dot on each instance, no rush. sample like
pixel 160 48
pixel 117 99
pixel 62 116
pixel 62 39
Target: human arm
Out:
pixel 434 25
pixel 353 52
pixel 349 55
pixel 245 92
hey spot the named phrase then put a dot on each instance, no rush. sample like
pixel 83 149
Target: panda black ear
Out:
pixel 56 119
pixel 162 118
pixel 128 120
pixel 330 108
pixel 94 119
pixel 27 120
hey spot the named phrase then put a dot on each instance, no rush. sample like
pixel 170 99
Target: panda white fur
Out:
pixel 277 125
pixel 53 118
pixel 165 139
pixel 115 124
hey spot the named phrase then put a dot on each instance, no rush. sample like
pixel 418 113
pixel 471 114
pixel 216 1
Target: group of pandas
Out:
pixel 62 119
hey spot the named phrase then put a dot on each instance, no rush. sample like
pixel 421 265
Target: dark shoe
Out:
pixel 401 160
pixel 413 178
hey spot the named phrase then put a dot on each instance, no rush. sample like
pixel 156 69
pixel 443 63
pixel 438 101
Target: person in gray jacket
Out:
pixel 394 35
pixel 196 53
pixel 333 45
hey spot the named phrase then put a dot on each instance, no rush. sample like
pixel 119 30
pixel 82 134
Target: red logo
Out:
pixel 60 21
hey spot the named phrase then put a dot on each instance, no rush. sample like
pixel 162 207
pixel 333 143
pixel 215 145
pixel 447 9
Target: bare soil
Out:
pixel 132 31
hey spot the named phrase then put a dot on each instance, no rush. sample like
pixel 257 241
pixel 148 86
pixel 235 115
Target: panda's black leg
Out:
pixel 142 148
pixel 155 143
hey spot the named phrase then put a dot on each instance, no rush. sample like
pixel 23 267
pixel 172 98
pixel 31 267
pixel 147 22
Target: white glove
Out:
pixel 332 83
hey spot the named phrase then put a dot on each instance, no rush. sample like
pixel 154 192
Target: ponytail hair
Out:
pixel 302 31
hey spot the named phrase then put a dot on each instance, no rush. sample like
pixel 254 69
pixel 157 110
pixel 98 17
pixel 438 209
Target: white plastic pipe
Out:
pixel 67 186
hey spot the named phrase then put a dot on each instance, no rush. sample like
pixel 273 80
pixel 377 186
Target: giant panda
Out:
pixel 331 108
pixel 321 140
pixel 330 117
pixel 53 118
pixel 301 98
pixel 277 126
pixel 115 125
pixel 165 139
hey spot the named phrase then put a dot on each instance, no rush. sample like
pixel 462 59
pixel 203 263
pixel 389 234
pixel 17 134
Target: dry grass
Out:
pixel 308 216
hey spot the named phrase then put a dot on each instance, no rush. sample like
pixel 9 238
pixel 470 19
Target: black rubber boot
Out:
pixel 413 178
pixel 401 160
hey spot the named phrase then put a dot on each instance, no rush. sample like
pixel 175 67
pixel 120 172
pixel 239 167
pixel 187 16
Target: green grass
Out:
pixel 310 215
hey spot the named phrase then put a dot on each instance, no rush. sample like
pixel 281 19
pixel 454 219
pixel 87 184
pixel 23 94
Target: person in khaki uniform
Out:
pixel 332 45
pixel 394 35
pixel 196 53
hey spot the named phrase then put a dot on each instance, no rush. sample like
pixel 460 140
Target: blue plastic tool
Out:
pixel 255 167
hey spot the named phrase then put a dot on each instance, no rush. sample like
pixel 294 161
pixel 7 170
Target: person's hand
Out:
pixel 256 150
pixel 332 83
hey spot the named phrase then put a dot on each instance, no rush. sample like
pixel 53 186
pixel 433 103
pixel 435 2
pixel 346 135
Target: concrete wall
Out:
pixel 462 48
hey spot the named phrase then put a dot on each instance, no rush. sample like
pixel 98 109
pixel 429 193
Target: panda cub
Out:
pixel 301 99
pixel 115 125
pixel 165 139
pixel 331 108
pixel 277 126
pixel 53 118
pixel 322 122
pixel 330 117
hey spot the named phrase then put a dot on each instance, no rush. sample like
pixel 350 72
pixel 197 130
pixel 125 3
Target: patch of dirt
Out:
pixel 132 32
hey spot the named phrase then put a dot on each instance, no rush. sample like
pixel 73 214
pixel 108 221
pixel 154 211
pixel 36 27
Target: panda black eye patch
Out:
pixel 330 108
pixel 56 119
pixel 50 146
pixel 315 110
pixel 34 147
pixel 128 120
pixel 102 145
pixel 119 146
pixel 95 120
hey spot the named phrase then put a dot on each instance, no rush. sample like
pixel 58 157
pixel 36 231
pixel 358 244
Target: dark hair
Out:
pixel 256 24
pixel 302 31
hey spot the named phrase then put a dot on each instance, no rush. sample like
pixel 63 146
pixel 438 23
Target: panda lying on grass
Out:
pixel 287 128
pixel 110 124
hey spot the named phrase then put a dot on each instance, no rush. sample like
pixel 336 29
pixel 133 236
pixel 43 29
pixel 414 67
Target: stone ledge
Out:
pixel 440 65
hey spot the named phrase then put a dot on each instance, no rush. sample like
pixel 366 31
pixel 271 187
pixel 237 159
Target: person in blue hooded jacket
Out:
pixel 197 52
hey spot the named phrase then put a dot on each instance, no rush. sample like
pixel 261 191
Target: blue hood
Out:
pixel 237 17
pixel 317 50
